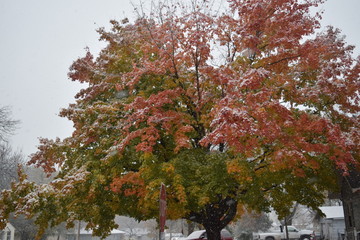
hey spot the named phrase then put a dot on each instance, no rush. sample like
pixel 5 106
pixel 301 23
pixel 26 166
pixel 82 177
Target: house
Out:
pixel 8 233
pixel 332 225
pixel 350 195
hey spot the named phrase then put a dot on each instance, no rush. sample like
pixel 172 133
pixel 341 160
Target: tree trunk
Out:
pixel 286 229
pixel 215 216
pixel 190 227
pixel 290 217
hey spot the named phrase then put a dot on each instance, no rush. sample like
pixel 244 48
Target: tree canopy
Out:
pixel 251 107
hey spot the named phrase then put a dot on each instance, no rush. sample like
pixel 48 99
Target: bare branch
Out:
pixel 7 125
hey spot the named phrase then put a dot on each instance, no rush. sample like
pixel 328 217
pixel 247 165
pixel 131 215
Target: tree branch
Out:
pixel 283 59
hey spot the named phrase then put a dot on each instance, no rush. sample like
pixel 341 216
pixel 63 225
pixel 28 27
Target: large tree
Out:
pixel 250 107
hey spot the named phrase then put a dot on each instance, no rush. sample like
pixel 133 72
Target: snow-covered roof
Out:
pixel 195 234
pixel 9 227
pixel 333 211
pixel 89 232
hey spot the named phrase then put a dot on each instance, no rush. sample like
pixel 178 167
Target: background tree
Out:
pixel 9 162
pixel 7 124
pixel 9 159
pixel 247 108
pixel 249 223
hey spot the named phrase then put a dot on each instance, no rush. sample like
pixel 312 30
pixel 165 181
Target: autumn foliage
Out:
pixel 253 106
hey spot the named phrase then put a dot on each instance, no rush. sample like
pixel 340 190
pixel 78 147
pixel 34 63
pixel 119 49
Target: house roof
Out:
pixel 9 227
pixel 333 211
pixel 89 232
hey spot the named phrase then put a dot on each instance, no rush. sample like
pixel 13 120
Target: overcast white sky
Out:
pixel 41 38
